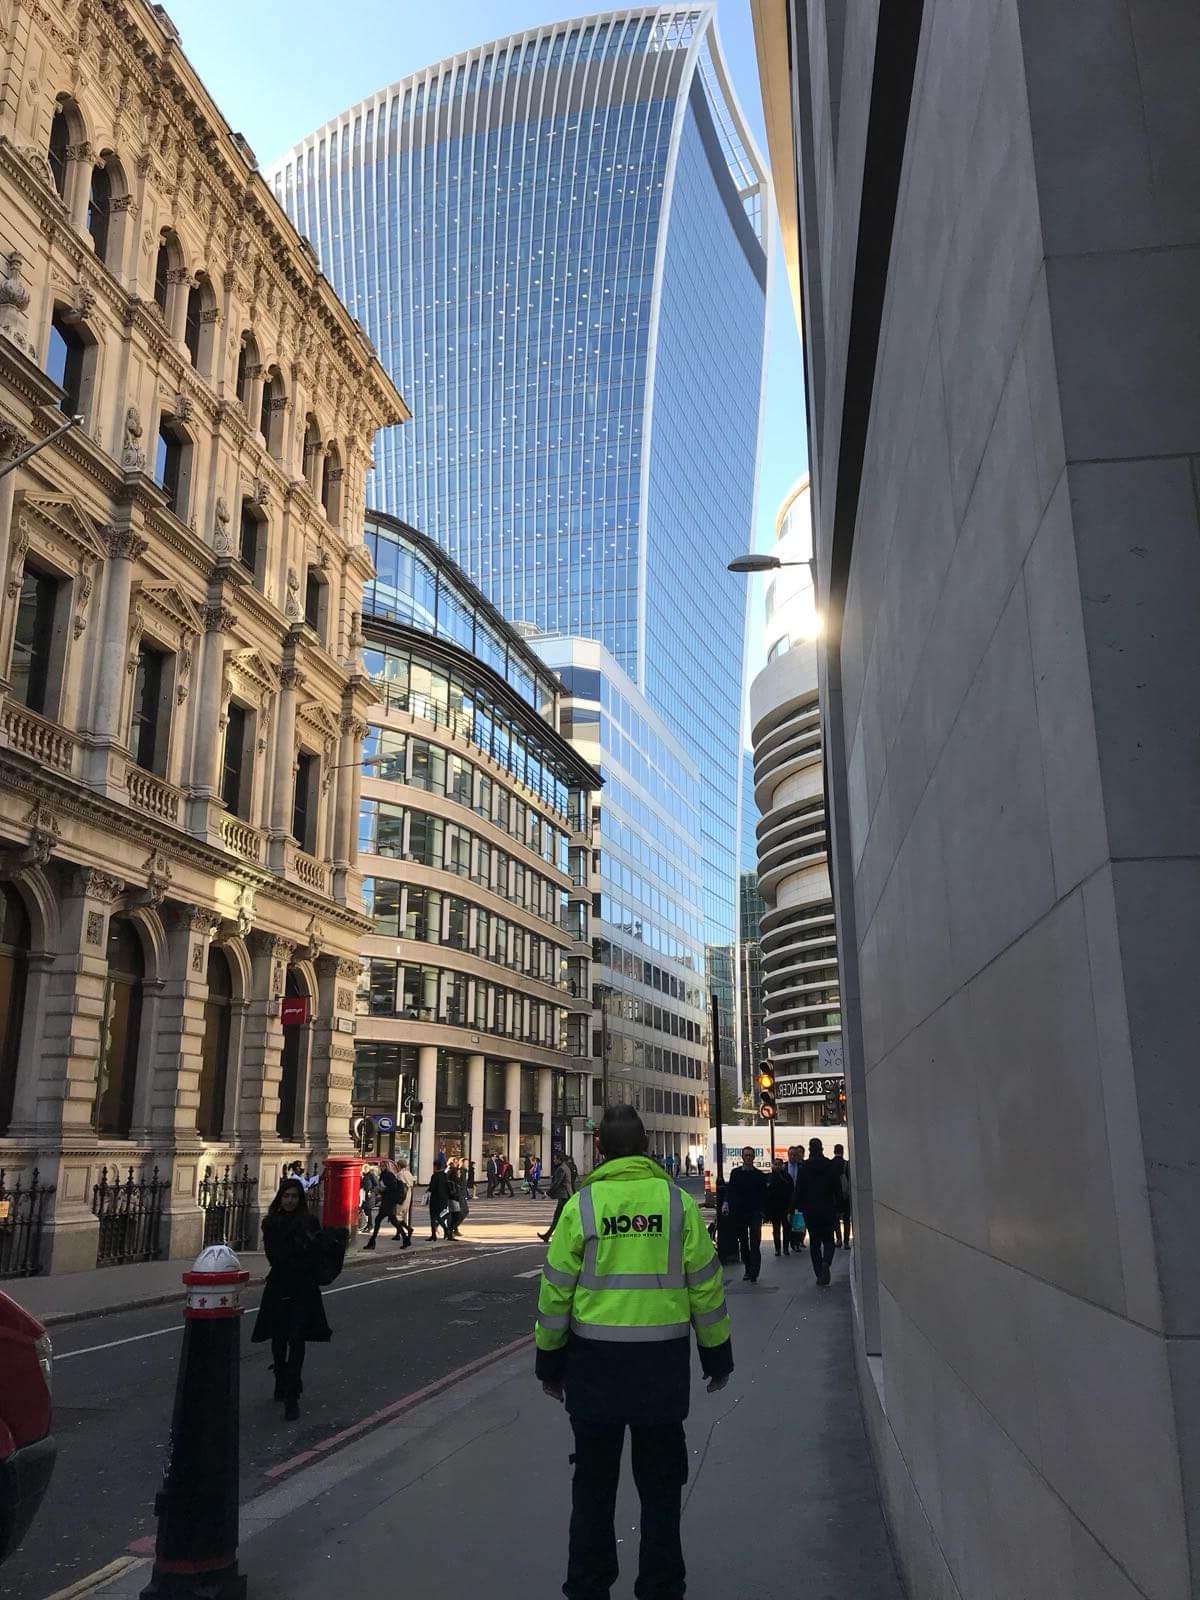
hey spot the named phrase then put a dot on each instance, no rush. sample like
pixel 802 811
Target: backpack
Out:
pixel 330 1253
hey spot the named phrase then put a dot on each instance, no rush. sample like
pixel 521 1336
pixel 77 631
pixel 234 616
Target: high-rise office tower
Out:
pixel 557 242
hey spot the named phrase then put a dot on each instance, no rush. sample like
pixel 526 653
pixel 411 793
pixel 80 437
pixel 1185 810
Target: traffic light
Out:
pixel 411 1118
pixel 767 1108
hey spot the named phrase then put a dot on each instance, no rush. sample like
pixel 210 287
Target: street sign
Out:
pixel 806 1088
pixel 386 1124
pixel 829 1057
pixel 293 1010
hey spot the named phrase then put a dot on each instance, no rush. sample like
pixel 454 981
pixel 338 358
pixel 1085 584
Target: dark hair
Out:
pixel 622 1133
pixel 276 1205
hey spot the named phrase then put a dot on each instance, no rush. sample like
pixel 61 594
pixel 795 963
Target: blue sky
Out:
pixel 279 68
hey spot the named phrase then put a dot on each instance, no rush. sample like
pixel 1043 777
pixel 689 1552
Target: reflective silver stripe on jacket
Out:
pixel 705 1319
pixel 562 1280
pixel 673 1278
pixel 555 1320
pixel 702 1274
pixel 623 1333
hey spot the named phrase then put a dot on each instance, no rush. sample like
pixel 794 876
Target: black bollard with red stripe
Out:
pixel 195 1556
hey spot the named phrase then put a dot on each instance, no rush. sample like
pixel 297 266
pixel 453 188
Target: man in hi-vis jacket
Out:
pixel 630 1273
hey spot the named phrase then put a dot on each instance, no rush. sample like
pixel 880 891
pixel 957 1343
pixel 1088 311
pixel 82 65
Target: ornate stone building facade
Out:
pixel 182 698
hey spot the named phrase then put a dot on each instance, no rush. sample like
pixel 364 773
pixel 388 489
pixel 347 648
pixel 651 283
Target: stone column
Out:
pixel 80 161
pixel 109 663
pixel 205 781
pixel 283 775
pixel 427 1094
pixel 475 1083
pixel 345 822
pixel 56 1093
pixel 166 1104
pixel 258 1101
pixel 512 1104
pixel 331 1074
pixel 180 280
pixel 12 443
pixel 546 1108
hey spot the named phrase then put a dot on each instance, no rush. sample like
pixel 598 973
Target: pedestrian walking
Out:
pixel 535 1178
pixel 841 1168
pixel 460 1202
pixel 471 1180
pixel 619 1356
pixel 404 1211
pixel 795 1171
pixel 393 1192
pixel 506 1178
pixel 439 1199
pixel 687 1166
pixel 368 1197
pixel 291 1314
pixel 746 1206
pixel 781 1193
pixel 493 1175
pixel 700 1168
pixel 817 1197
pixel 562 1187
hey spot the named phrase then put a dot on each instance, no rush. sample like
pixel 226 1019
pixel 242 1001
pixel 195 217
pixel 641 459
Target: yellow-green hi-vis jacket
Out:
pixel 631 1273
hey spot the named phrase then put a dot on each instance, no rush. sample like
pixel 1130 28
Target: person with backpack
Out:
pixel 817 1195
pixel 292 1314
pixel 506 1178
pixel 493 1176
pixel 368 1197
pixel 393 1192
pixel 535 1178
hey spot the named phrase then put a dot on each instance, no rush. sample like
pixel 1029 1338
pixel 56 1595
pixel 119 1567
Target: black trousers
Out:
pixel 844 1230
pixel 660 1467
pixel 559 1208
pixel 820 1243
pixel 388 1214
pixel 288 1356
pixel 749 1238
pixel 781 1232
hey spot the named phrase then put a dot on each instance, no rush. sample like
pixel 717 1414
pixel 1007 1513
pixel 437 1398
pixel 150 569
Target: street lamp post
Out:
pixel 11 466
pixel 765 563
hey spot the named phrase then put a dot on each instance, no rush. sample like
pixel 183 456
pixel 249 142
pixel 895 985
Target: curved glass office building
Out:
pixel 556 242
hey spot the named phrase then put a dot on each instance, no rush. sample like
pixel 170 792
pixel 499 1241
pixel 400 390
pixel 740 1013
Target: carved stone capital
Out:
pixel 158 880
pixel 194 919
pixel 291 678
pixel 218 619
pixel 12 441
pixel 349 967
pixel 122 544
pixel 96 885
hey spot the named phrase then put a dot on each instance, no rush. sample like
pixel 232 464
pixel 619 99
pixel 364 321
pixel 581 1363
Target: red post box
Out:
pixel 341 1180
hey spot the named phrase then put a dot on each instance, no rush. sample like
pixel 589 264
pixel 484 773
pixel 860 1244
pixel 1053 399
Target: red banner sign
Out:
pixel 293 1010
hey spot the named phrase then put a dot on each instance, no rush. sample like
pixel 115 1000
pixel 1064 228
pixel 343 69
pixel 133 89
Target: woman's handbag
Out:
pixel 798 1223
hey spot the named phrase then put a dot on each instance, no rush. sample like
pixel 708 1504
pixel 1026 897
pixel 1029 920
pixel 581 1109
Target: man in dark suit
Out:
pixel 818 1197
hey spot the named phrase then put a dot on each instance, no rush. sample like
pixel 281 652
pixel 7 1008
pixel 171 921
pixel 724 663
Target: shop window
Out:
pixel 214 1052
pixel 120 1031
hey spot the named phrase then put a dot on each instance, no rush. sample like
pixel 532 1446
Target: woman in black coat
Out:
pixel 781 1196
pixel 393 1193
pixel 291 1313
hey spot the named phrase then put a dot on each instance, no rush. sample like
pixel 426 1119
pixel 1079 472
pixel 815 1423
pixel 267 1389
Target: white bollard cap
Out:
pixel 215 1282
pixel 216 1258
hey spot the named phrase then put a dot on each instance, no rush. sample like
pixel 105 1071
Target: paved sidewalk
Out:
pixel 73 1296
pixel 473 1486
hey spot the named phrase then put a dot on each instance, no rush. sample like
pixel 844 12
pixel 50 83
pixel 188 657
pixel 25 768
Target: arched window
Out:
pixel 247 370
pixel 14 963
pixel 173 463
pixel 60 140
pixel 200 323
pixel 214 1054
pixel 271 412
pixel 312 450
pixel 71 360
pixel 289 1123
pixel 162 275
pixel 121 1030
pixel 331 484
pixel 99 210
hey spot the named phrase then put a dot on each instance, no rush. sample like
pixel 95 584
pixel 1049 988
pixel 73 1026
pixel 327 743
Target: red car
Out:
pixel 27 1447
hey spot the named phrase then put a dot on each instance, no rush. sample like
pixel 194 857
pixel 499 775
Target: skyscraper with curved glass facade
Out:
pixel 556 242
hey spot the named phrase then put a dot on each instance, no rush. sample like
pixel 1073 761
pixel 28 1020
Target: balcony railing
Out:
pixel 33 736
pixel 241 839
pixel 150 794
pixel 313 874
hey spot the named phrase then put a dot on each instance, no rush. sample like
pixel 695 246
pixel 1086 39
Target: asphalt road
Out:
pixel 394 1332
